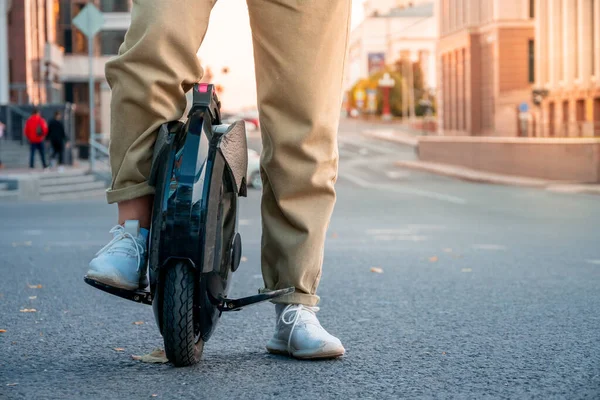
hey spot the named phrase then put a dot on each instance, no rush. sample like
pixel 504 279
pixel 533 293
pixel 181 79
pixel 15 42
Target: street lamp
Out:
pixel 386 83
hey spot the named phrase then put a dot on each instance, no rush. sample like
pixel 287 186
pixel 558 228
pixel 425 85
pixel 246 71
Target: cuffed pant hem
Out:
pixel 129 193
pixel 295 298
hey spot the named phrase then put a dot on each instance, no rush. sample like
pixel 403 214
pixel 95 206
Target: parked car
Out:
pixel 253 176
pixel 250 120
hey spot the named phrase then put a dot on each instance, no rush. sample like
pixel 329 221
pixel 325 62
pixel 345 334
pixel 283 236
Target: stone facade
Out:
pixel 483 65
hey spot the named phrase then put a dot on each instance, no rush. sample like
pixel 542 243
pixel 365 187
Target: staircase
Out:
pixel 15 155
pixel 72 184
pixel 75 184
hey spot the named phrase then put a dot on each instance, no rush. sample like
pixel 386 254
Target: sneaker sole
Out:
pixel 114 282
pixel 334 353
pixel 320 356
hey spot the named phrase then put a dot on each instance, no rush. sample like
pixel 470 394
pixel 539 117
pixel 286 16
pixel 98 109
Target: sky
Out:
pixel 228 43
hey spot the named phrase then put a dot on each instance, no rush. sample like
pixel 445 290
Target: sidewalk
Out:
pixel 397 134
pixel 487 177
pixel 409 137
pixel 76 182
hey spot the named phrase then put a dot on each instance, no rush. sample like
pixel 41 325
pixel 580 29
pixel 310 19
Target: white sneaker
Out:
pixel 299 334
pixel 122 262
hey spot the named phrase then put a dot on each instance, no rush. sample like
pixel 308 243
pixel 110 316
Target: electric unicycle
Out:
pixel 199 172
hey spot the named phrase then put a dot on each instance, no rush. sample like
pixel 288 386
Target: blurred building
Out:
pixel 31 60
pixel 485 65
pixel 48 57
pixel 393 30
pixel 74 74
pixel 568 67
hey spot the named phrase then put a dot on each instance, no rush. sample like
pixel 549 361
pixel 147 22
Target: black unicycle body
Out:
pixel 199 173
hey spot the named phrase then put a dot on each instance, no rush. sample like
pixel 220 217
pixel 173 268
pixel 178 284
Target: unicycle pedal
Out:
pixel 139 296
pixel 237 304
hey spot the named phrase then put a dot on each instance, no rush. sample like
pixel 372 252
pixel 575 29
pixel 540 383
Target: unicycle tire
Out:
pixel 183 345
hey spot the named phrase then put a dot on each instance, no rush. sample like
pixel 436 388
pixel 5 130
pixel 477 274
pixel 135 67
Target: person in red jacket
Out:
pixel 36 130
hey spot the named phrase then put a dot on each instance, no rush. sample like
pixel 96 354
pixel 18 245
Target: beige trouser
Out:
pixel 299 50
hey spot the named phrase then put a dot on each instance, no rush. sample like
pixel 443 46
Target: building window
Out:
pixel 114 5
pixel 531 61
pixel 532 9
pixel 110 41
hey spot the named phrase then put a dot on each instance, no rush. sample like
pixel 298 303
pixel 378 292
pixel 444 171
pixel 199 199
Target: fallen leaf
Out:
pixel 154 395
pixel 119 349
pixel 243 259
pixel 13 342
pixel 138 323
pixel 28 310
pixel 38 286
pixel 443 353
pixel 433 259
pixel 158 356
pixel 447 250
pixel 32 297
pixel 466 270
pixel 334 235
pixel 377 270
pixel 12 384
pixel 2 330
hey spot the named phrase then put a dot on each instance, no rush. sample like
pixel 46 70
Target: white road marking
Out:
pixel 388 231
pixel 396 174
pixel 492 247
pixel 403 190
pixel 406 238
pixel 596 262
pixel 244 222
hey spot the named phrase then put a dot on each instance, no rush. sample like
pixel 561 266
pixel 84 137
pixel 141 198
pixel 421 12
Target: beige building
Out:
pixel 391 30
pixel 568 66
pixel 485 65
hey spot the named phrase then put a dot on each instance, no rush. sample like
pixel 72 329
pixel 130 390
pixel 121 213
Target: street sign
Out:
pixel 89 20
pixel 523 107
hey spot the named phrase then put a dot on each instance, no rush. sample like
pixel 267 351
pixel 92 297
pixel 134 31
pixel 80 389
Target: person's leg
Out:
pixel 61 152
pixel 31 155
pixel 42 149
pixel 156 65
pixel 299 49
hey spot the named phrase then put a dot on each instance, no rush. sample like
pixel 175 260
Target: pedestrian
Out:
pixel 36 130
pixel 299 52
pixel 57 138
pixel 2 128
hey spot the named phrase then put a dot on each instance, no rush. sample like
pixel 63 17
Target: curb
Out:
pixel 391 135
pixel 498 179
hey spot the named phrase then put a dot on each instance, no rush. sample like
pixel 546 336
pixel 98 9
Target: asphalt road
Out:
pixel 486 292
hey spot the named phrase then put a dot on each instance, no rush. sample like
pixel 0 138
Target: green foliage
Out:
pixel 396 93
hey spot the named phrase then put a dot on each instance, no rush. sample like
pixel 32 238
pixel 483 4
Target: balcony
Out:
pixel 116 21
pixel 76 68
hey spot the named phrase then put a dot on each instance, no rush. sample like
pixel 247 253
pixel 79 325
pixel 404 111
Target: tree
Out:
pixel 396 93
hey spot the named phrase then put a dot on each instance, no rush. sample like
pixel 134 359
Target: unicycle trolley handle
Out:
pixel 199 170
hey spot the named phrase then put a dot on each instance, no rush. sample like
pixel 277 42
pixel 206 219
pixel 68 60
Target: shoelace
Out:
pixel 122 235
pixel 287 311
